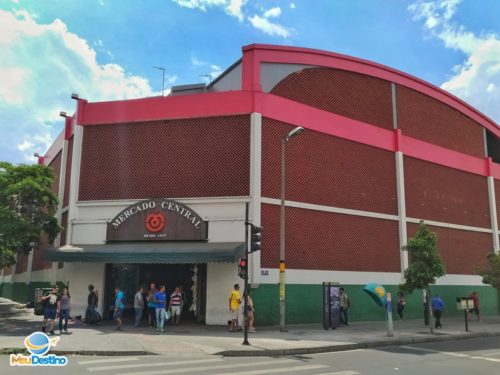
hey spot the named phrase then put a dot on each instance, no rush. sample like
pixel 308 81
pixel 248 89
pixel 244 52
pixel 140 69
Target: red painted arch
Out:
pixel 255 54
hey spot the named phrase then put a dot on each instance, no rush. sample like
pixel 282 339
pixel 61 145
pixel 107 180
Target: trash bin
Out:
pixel 39 292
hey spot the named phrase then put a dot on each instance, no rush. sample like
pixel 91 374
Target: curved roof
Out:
pixel 255 54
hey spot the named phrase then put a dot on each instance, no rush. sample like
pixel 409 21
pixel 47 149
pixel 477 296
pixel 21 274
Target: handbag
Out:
pixel 168 315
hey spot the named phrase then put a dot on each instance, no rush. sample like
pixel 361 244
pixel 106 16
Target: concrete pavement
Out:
pixel 191 340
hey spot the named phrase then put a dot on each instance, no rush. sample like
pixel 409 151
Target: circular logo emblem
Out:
pixel 38 343
pixel 155 222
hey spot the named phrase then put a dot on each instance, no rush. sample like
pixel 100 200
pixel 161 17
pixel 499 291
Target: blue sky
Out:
pixel 106 49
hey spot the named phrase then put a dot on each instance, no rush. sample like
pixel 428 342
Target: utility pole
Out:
pixel 163 80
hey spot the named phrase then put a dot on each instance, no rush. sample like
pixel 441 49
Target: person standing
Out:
pixel 438 306
pixel 344 304
pixel 92 302
pixel 175 305
pixel 138 306
pixel 119 307
pixel 475 306
pixel 160 303
pixel 64 310
pixel 51 305
pixel 234 307
pixel 401 305
pixel 250 312
pixel 150 299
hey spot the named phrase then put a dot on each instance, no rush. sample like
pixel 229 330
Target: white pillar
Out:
pixel 403 235
pixel 255 189
pixel 74 181
pixel 493 213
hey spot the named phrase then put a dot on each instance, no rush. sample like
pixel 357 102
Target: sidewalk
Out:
pixel 191 340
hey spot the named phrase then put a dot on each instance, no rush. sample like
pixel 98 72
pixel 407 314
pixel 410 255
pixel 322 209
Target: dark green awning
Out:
pixel 156 252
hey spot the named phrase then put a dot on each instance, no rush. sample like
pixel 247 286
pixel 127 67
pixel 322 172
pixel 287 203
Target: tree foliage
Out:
pixel 491 275
pixel 27 208
pixel 426 264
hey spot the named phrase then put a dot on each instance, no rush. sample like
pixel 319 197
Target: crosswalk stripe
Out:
pixel 276 370
pixel 108 360
pixel 451 354
pixel 158 364
pixel 205 368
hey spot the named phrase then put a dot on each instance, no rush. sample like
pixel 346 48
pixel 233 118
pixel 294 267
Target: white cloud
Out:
pixel 232 7
pixel 476 79
pixel 195 61
pixel 272 13
pixel 41 65
pixel 292 6
pixel 269 27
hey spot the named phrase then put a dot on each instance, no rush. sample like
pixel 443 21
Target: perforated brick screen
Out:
pixel 349 94
pixel 460 250
pixel 69 163
pixel 326 170
pixel 180 158
pixel 327 241
pixel 56 167
pixel 430 120
pixel 435 192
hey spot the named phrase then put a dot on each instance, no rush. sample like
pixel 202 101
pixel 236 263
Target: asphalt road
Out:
pixel 476 356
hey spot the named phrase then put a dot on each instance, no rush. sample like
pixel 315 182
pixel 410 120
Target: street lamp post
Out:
pixel 163 80
pixel 284 141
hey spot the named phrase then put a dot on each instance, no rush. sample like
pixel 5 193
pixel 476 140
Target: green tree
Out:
pixel 425 266
pixel 491 275
pixel 27 209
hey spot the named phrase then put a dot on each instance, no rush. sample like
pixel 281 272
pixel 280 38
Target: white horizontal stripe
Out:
pixel 108 360
pixel 451 354
pixel 205 368
pixel 148 364
pixel 337 210
pixel 347 372
pixel 450 225
pixel 275 371
pixel 311 277
pixel 376 215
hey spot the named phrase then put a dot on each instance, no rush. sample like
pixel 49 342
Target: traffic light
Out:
pixel 243 268
pixel 255 238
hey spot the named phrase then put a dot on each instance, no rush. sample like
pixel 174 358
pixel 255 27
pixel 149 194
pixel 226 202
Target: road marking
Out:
pixel 158 364
pixel 205 368
pixel 275 371
pixel 123 359
pixel 347 372
pixel 451 354
pixel 494 353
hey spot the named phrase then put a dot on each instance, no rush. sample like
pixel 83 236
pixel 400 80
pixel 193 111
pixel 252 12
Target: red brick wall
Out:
pixel 22 263
pixel 462 251
pixel 327 241
pixel 67 181
pixel 326 170
pixel 349 94
pixel 425 118
pixel 497 200
pixel 438 193
pixel 38 262
pixel 207 157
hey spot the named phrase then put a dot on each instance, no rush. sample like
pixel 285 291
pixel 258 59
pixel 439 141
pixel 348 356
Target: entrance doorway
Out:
pixel 192 277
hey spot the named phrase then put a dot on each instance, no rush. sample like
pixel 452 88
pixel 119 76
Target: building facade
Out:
pixel 381 151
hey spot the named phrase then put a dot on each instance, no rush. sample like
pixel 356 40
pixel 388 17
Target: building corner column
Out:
pixel 255 189
pixel 493 213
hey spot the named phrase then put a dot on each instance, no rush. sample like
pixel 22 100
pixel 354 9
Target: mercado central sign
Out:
pixel 157 220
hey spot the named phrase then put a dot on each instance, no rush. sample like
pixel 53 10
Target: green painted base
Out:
pixel 304 303
pixel 21 292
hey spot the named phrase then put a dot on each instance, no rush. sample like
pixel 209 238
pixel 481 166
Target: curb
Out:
pixel 345 347
pixel 109 353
